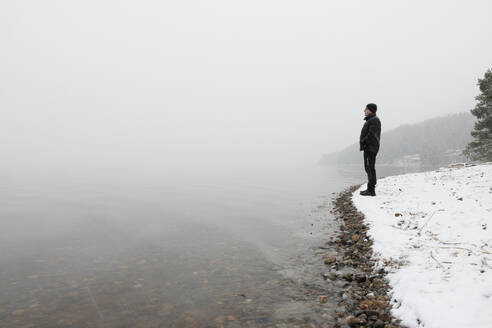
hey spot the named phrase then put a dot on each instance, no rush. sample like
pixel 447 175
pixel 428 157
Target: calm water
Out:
pixel 168 249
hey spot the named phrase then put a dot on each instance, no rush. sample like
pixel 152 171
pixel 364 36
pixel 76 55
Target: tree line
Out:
pixel 435 142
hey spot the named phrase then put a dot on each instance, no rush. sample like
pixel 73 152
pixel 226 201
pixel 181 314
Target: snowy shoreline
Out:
pixel 432 232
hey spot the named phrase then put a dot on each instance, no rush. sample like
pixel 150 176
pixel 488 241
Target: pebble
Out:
pixel 365 301
pixel 330 260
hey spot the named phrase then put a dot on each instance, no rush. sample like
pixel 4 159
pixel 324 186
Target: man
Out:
pixel 369 143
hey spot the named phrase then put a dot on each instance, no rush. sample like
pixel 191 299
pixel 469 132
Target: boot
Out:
pixel 368 192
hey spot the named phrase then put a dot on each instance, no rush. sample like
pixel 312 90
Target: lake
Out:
pixel 177 248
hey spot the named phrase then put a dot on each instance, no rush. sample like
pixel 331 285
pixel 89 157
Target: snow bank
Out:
pixel 433 232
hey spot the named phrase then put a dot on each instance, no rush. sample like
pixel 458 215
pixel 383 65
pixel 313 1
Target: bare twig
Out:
pixel 443 242
pixel 420 230
pixel 462 248
pixel 484 262
pixel 436 260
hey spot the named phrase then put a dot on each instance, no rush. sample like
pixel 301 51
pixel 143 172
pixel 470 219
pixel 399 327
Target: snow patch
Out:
pixel 436 230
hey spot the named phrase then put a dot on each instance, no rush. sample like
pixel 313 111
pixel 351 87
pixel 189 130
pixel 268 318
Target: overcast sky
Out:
pixel 214 82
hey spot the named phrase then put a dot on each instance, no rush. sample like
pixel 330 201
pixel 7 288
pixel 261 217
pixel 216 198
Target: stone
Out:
pixel 364 295
pixel 360 278
pixel 330 260
pixel 348 276
pixel 353 321
pixel 363 317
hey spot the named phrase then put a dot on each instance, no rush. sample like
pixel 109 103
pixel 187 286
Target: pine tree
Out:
pixel 481 148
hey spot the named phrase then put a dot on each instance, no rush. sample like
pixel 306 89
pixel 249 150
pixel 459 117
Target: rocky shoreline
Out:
pixel 365 295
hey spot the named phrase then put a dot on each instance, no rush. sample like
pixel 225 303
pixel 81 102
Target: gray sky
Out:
pixel 218 83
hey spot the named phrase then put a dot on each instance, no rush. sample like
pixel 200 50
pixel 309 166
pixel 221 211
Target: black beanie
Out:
pixel 372 107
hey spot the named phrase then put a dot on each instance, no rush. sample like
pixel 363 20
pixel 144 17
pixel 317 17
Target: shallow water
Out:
pixel 174 249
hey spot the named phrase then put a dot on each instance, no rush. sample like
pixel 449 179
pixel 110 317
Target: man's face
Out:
pixel 367 111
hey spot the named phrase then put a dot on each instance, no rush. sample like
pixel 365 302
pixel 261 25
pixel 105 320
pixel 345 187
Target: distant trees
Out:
pixel 437 142
pixel 481 148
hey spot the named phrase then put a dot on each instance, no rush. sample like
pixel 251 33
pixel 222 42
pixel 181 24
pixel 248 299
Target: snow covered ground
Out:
pixel 433 232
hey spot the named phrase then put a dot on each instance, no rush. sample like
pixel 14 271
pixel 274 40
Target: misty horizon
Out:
pixel 226 84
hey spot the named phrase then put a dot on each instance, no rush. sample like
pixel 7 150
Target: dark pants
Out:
pixel 369 166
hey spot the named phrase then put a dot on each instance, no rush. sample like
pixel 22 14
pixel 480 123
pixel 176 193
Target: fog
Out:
pixel 220 84
pixel 158 159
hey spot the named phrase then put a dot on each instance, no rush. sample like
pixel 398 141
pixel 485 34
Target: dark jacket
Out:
pixel 370 134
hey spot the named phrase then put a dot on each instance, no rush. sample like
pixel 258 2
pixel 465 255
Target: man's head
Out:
pixel 370 108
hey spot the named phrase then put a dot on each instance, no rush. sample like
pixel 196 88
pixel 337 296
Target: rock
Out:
pixel 362 317
pixel 379 324
pixel 360 278
pixel 355 238
pixel 330 260
pixel 371 313
pixel 348 276
pixel 365 296
pixel 353 321
pixel 322 299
